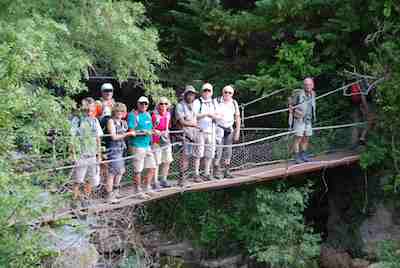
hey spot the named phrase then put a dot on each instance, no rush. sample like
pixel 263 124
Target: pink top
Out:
pixel 161 123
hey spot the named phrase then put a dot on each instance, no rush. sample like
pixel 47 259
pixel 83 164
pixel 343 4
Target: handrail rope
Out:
pixel 234 145
pixel 263 97
pixel 213 145
pixel 287 109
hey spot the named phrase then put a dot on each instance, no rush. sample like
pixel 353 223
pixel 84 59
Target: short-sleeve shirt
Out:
pixel 308 115
pixel 87 129
pixel 205 106
pixel 161 123
pixel 140 122
pixel 228 112
pixel 186 112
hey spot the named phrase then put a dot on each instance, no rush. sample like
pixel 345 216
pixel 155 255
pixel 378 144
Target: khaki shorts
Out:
pixel 162 154
pixel 202 150
pixel 302 129
pixel 87 167
pixel 142 158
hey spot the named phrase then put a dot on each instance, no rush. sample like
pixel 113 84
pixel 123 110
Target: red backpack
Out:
pixel 356 94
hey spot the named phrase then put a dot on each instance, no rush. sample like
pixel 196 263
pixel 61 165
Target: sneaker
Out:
pixel 227 174
pixel 298 159
pixel 156 186
pixel 111 198
pixel 85 203
pixel 304 156
pixel 137 189
pixel 182 183
pixel 164 183
pixel 117 192
pixel 142 195
pixel 197 179
pixel 148 189
pixel 208 177
pixel 75 203
pixel 217 173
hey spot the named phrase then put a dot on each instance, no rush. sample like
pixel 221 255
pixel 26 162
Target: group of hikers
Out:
pixel 209 125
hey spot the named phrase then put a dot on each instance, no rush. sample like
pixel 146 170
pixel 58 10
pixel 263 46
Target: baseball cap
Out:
pixel 107 87
pixel 143 99
pixel 207 86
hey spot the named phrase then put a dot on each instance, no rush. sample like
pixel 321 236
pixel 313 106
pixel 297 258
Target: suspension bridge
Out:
pixel 263 155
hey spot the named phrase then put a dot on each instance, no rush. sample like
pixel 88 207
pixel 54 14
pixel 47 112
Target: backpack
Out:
pixel 355 94
pixel 201 104
pixel 293 100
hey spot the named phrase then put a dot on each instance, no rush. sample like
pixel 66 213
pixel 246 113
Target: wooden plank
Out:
pixel 252 175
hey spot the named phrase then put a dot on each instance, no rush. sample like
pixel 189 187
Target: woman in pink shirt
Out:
pixel 161 144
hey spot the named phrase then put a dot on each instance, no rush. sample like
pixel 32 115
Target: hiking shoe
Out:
pixel 148 189
pixel 298 159
pixel 156 186
pixel 228 175
pixel 182 183
pixel 197 178
pixel 111 198
pixel 217 173
pixel 304 156
pixel 137 189
pixel 208 177
pixel 85 203
pixel 117 192
pixel 75 203
pixel 362 142
pixel 164 183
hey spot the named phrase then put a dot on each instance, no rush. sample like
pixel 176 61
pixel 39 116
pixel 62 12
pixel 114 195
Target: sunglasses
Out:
pixel 163 103
pixel 143 103
pixel 205 90
pixel 228 92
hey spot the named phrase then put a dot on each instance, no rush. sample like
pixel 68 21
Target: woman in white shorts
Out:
pixel 161 143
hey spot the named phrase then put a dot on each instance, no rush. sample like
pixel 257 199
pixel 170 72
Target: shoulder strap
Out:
pixel 235 103
pixel 201 105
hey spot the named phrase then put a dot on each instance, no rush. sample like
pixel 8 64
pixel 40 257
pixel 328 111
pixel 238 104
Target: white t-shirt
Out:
pixel 201 106
pixel 228 112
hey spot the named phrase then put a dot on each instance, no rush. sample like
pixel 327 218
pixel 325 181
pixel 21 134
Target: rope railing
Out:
pixel 287 109
pixel 237 145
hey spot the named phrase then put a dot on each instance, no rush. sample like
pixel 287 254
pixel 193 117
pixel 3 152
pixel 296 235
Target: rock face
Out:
pixel 380 226
pixel 331 258
pixel 359 263
pixel 72 247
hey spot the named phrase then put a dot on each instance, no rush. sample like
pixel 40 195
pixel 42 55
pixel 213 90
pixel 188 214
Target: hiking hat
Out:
pixel 228 88
pixel 189 89
pixel 107 87
pixel 207 86
pixel 143 99
pixel 164 100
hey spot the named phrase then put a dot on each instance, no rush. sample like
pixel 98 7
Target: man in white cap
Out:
pixel 105 104
pixel 206 109
pixel 139 146
pixel 186 117
pixel 226 134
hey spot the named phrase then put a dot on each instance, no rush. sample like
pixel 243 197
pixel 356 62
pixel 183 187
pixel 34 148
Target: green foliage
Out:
pixel 267 221
pixel 294 62
pixel 376 153
pixel 47 49
pixel 281 237
pixel 388 254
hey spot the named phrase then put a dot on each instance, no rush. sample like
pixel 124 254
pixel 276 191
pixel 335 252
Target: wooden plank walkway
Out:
pixel 253 175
